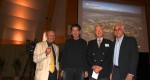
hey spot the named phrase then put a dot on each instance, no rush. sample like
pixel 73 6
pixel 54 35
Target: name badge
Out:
pixel 106 45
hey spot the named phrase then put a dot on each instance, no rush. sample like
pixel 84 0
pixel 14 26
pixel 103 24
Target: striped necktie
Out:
pixel 99 43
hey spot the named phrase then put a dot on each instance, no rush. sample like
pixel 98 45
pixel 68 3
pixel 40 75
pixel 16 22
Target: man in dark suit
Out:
pixel 125 58
pixel 99 56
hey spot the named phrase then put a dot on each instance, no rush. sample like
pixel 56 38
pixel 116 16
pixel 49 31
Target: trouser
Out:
pixel 73 74
pixel 99 79
pixel 53 76
pixel 116 74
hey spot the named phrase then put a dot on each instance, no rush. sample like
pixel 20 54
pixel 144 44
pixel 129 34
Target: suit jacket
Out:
pixel 42 61
pixel 100 56
pixel 128 56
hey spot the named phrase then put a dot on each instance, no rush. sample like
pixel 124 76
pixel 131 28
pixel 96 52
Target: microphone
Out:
pixel 49 44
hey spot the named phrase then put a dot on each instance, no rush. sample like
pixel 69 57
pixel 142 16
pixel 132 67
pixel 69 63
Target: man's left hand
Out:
pixel 57 75
pixel 85 74
pixel 129 77
pixel 99 68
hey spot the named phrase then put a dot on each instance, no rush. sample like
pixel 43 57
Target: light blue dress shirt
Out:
pixel 117 50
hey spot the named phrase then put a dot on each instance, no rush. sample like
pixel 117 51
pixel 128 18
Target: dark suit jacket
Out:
pixel 100 56
pixel 128 56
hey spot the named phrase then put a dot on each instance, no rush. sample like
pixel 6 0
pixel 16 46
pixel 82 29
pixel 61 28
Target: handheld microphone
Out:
pixel 49 44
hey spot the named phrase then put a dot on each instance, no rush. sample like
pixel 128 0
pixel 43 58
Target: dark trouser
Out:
pixel 73 74
pixel 116 74
pixel 99 79
pixel 53 76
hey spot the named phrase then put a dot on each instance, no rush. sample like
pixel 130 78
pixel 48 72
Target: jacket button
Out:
pixel 101 60
pixel 95 60
pixel 103 53
pixel 93 53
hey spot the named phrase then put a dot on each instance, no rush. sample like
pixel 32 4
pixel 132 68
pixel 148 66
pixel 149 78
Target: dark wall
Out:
pixel 143 69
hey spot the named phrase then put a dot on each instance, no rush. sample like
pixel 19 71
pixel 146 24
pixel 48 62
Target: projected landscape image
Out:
pixel 108 15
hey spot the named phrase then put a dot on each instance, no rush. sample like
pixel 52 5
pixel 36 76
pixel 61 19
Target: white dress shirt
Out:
pixel 101 39
pixel 117 50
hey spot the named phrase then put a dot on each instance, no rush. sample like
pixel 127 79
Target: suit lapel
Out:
pixel 122 47
pixel 102 43
pixel 45 45
pixel 54 49
pixel 123 44
pixel 95 43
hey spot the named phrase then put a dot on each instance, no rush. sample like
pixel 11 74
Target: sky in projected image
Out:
pixel 110 6
pixel 108 14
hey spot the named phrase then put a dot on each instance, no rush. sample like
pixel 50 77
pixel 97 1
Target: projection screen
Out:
pixel 132 17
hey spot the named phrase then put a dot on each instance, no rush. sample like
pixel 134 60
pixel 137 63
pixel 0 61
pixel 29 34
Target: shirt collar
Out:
pixel 120 39
pixel 101 39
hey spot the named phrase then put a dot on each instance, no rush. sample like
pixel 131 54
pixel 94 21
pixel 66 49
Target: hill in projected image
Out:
pixel 109 18
pixel 109 14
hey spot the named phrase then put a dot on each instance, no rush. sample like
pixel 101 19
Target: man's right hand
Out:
pixel 110 76
pixel 96 68
pixel 47 51
pixel 62 73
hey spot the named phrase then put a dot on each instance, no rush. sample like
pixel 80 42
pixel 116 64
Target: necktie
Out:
pixel 99 43
pixel 52 66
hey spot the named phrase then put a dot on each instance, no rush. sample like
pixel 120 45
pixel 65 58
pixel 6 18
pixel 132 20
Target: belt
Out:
pixel 116 66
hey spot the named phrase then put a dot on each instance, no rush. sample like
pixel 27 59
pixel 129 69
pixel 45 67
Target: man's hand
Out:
pixel 129 77
pixel 97 69
pixel 94 67
pixel 110 76
pixel 85 74
pixel 57 75
pixel 48 50
pixel 62 73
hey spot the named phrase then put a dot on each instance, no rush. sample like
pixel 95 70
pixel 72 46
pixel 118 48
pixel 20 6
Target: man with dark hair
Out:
pixel 77 25
pixel 73 60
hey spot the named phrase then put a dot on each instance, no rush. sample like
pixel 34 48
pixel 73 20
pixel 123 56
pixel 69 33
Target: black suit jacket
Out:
pixel 100 56
pixel 128 56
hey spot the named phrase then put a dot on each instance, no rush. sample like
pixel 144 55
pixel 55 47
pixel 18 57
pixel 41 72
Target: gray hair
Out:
pixel 49 31
pixel 119 25
pixel 99 25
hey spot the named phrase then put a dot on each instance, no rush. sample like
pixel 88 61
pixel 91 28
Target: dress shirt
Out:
pixel 117 50
pixel 101 39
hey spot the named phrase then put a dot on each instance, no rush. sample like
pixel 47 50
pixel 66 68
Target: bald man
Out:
pixel 99 55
